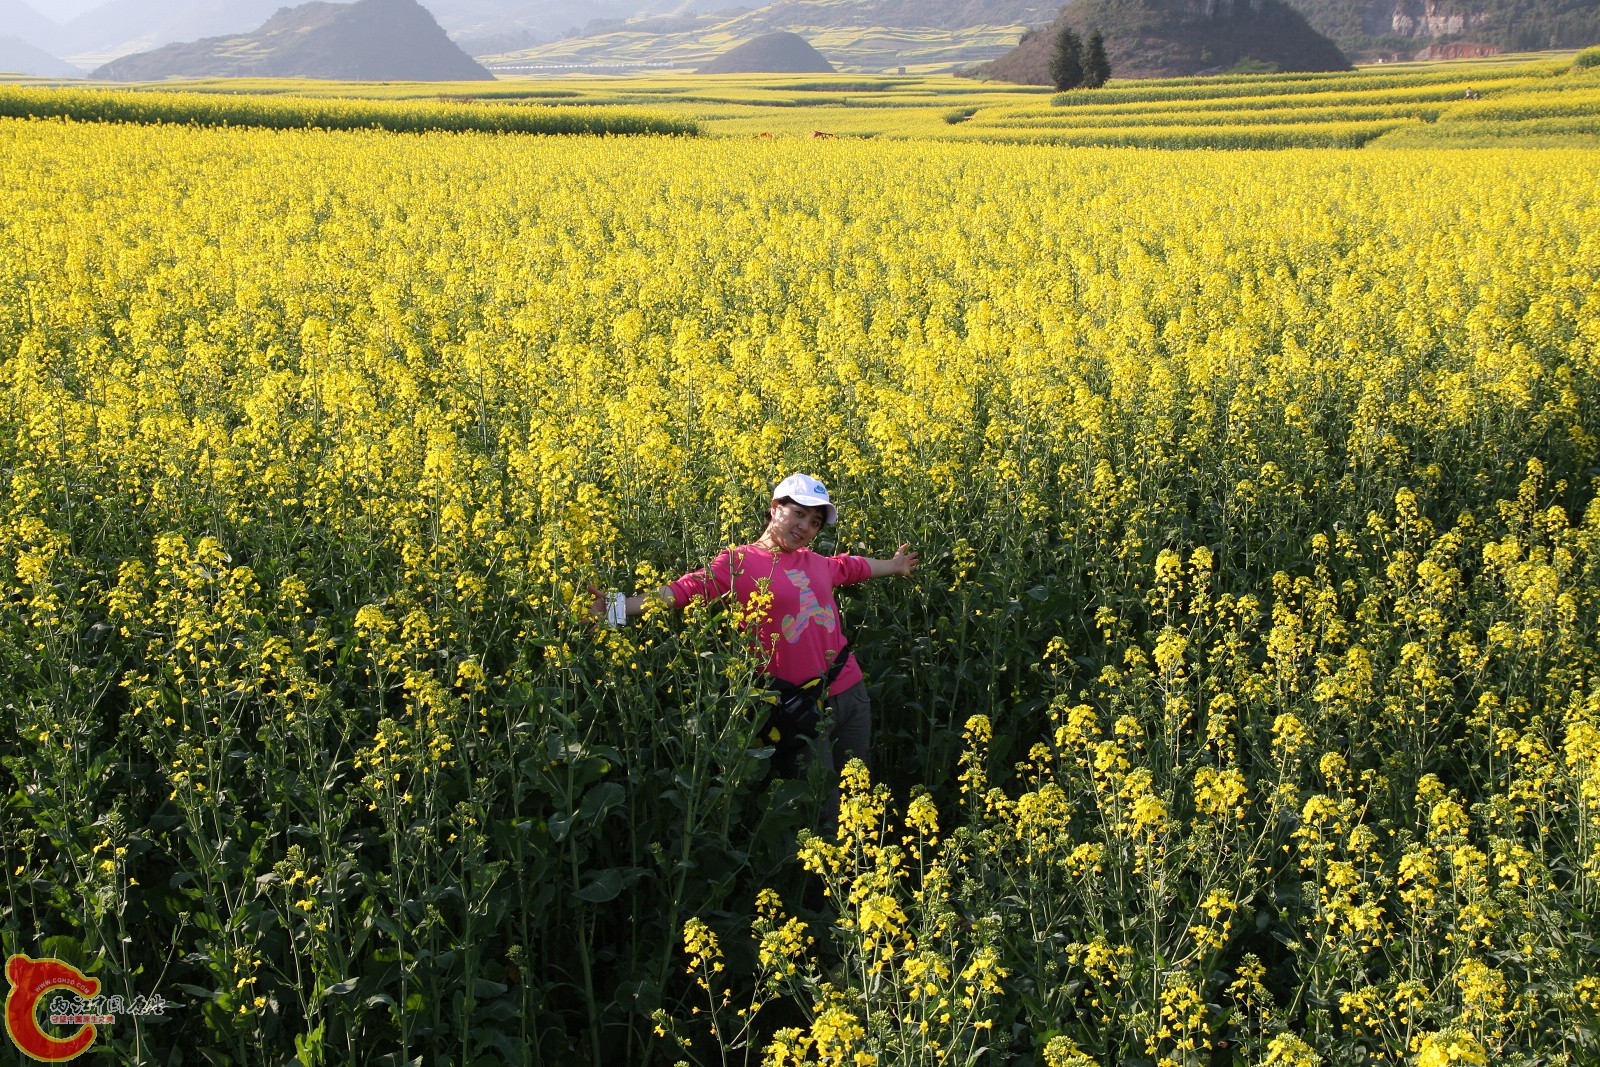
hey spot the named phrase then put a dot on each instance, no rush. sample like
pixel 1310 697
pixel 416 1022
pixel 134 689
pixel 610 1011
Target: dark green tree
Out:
pixel 1096 67
pixel 1066 65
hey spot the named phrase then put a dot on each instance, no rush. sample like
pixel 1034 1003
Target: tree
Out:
pixel 1066 66
pixel 1096 67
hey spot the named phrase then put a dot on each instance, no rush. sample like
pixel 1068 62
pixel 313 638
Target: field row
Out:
pixel 280 112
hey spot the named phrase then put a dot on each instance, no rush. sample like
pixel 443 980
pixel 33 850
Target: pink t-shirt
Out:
pixel 801 631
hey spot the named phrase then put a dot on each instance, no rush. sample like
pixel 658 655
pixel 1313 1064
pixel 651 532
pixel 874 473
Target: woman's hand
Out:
pixel 600 609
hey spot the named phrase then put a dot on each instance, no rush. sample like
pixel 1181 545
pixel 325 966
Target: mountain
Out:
pixel 1178 38
pixel 771 53
pixel 856 35
pixel 370 40
pixel 19 57
pixel 22 21
pixel 1371 29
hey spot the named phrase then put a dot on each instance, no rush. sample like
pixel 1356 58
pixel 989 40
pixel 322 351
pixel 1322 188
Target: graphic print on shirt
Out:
pixel 795 625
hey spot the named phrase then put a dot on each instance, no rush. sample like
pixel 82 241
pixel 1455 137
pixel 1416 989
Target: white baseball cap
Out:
pixel 804 489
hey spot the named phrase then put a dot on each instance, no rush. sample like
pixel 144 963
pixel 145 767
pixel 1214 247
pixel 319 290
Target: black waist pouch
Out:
pixel 796 713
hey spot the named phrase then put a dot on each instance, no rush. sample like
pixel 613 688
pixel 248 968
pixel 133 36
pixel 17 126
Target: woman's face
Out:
pixel 794 526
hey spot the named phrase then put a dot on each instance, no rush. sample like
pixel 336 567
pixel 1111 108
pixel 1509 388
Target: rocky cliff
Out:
pixel 1368 29
pixel 1416 18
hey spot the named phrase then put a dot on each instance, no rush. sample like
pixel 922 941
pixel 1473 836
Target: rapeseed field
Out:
pixel 1246 709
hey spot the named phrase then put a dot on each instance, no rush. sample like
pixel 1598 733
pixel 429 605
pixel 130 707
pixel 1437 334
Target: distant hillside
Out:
pixel 23 21
pixel 370 40
pixel 1367 29
pixel 855 35
pixel 468 20
pixel 771 53
pixel 95 32
pixel 19 57
pixel 1178 38
pixel 546 19
pixel 897 14
pixel 115 28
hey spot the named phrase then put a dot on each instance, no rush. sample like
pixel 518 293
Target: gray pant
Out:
pixel 851 731
pixel 849 736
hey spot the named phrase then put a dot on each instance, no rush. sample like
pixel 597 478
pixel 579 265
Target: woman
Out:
pixel 800 630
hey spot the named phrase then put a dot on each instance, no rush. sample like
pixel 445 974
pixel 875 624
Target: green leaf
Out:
pixel 64 948
pixel 642 997
pixel 484 988
pixel 601 799
pixel 601 887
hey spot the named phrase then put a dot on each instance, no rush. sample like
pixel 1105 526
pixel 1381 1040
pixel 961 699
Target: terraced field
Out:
pixel 851 49
pixel 1540 100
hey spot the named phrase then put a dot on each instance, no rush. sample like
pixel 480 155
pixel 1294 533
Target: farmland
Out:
pixel 1246 709
pixel 1528 101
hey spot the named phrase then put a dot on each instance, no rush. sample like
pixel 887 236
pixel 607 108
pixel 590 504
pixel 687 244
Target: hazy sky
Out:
pixel 63 10
pixel 88 33
pixel 66 10
pixel 520 11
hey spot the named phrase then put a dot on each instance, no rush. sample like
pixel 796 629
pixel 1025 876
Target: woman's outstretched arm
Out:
pixel 904 561
pixel 711 581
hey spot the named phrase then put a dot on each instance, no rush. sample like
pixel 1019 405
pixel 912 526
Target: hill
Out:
pixel 22 21
pixel 1178 38
pixel 895 14
pixel 19 57
pixel 771 53
pixel 1373 29
pixel 546 20
pixel 116 28
pixel 370 40
pixel 858 36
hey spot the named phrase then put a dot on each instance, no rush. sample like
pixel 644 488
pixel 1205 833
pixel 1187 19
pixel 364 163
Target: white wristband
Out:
pixel 617 609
